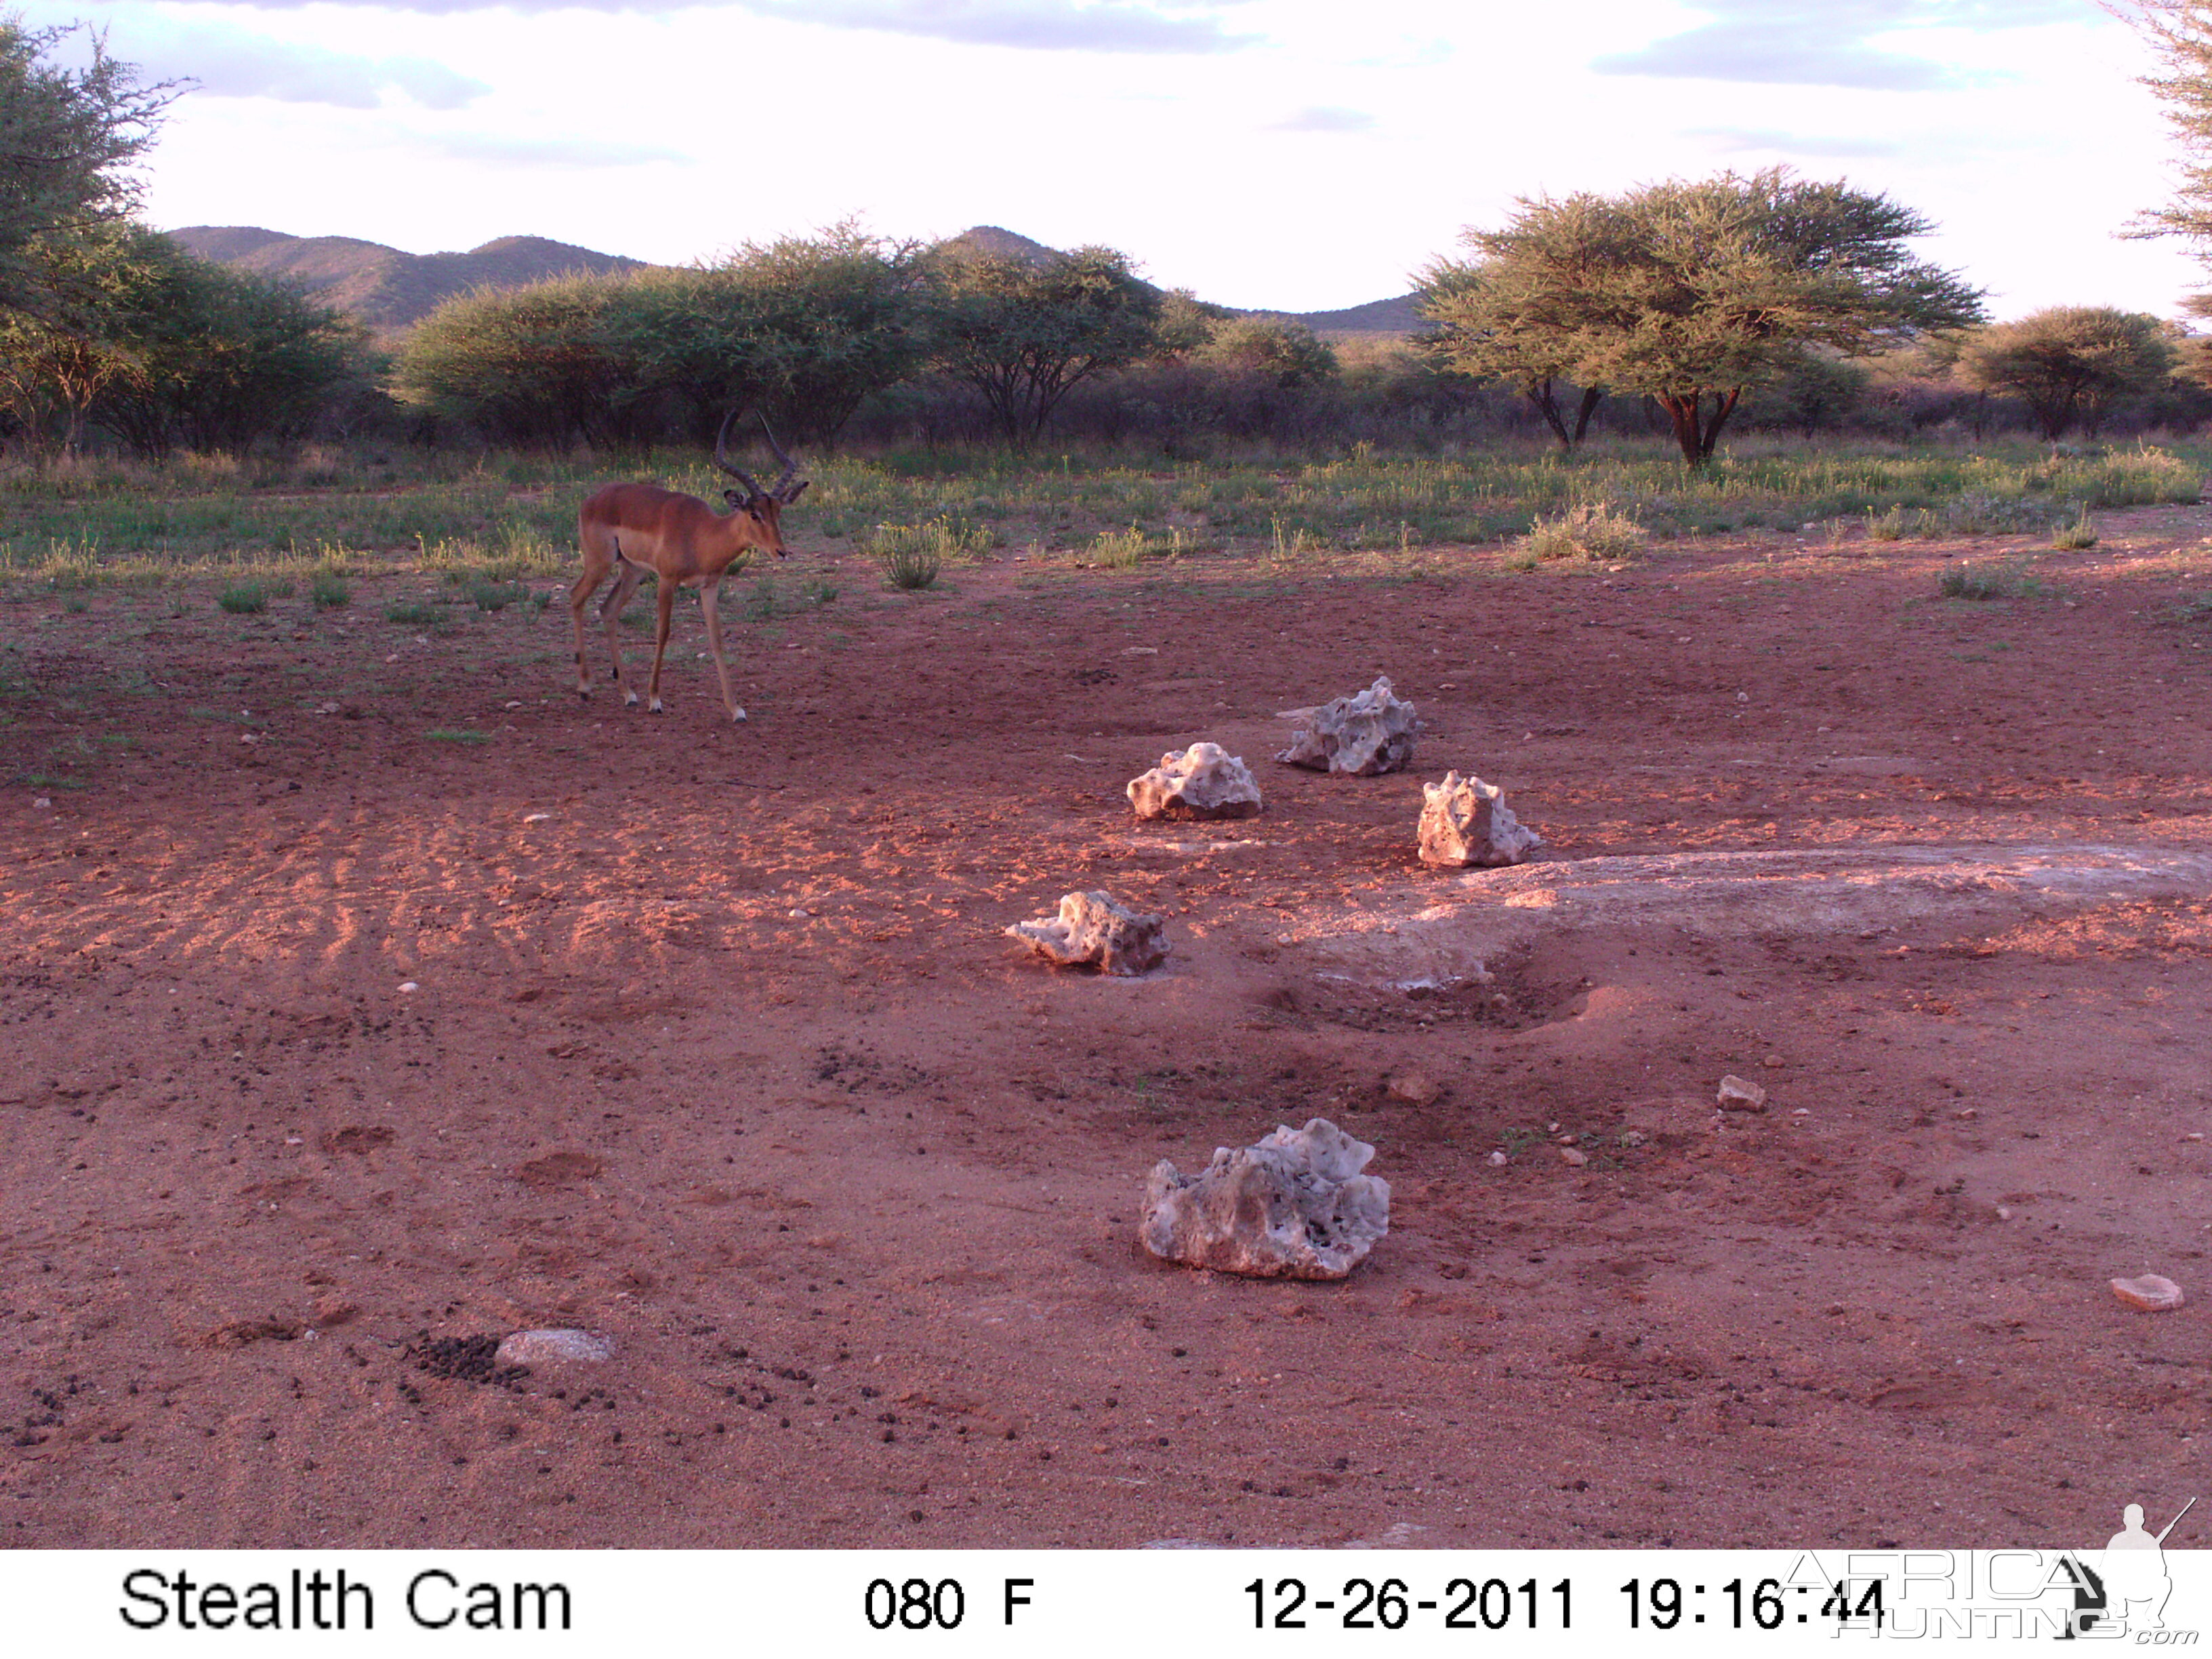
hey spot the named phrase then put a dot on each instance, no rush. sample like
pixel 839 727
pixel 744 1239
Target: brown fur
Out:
pixel 634 527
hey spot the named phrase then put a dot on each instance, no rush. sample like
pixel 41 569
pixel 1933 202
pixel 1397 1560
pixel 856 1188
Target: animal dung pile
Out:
pixel 1204 781
pixel 1295 1206
pixel 1366 734
pixel 1092 930
pixel 1465 821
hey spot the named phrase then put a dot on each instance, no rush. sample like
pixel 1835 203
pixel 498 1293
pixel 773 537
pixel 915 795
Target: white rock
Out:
pixel 408 987
pixel 1740 1095
pixel 1295 1206
pixel 555 1348
pixel 1092 929
pixel 1465 821
pixel 1203 781
pixel 2150 1292
pixel 1366 734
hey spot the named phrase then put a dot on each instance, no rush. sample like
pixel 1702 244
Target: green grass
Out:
pixel 1963 582
pixel 911 568
pixel 453 734
pixel 510 518
pixel 244 598
pixel 414 615
pixel 329 590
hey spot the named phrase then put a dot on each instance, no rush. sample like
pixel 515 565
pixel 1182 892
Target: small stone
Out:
pixel 1202 782
pixel 1366 734
pixel 1465 821
pixel 1092 929
pixel 1742 1094
pixel 536 818
pixel 2149 1292
pixel 2192 1136
pixel 555 1348
pixel 2003 1214
pixel 1498 1160
pixel 1634 1137
pixel 1414 1088
pixel 408 986
pixel 43 802
pixel 1773 1061
pixel 1573 1156
pixel 1293 1206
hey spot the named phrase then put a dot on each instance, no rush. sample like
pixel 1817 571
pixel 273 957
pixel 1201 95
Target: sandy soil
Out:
pixel 717 1049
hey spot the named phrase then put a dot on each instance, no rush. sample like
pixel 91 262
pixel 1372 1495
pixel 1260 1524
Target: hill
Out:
pixel 389 290
pixel 383 287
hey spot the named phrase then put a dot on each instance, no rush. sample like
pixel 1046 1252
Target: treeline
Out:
pixel 848 338
pixel 1687 307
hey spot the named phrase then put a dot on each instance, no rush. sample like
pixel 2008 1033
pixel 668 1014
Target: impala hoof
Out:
pixel 738 715
pixel 654 706
pixel 630 699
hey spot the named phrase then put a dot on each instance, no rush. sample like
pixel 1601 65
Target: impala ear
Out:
pixel 797 490
pixel 736 497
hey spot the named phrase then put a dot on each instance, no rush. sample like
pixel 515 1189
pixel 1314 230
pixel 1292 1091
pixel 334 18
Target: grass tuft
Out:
pixel 244 598
pixel 1589 531
pixel 1963 582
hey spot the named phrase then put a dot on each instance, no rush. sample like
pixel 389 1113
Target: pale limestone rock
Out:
pixel 1366 733
pixel 1465 821
pixel 554 1347
pixel 1414 1088
pixel 1204 781
pixel 1742 1094
pixel 1293 1206
pixel 1092 929
pixel 2150 1292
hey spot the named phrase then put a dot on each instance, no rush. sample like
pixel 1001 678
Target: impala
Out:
pixel 636 527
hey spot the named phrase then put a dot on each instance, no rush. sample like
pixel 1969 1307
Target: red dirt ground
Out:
pixel 725 1056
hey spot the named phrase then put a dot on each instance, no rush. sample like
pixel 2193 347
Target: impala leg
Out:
pixel 597 563
pixel 610 609
pixel 709 598
pixel 665 593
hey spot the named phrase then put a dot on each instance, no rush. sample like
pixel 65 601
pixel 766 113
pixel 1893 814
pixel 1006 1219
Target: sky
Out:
pixel 1284 154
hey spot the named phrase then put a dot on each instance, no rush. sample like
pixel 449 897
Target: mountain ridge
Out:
pixel 390 290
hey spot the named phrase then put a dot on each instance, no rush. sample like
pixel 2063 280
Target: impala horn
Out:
pixel 784 491
pixel 722 458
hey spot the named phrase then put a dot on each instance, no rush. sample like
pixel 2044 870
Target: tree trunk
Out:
pixel 1592 396
pixel 1695 430
pixel 1539 392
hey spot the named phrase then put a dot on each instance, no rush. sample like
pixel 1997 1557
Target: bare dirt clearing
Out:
pixel 723 1055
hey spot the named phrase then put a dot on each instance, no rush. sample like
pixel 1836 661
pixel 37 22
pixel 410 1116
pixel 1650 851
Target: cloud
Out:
pixel 1732 141
pixel 563 152
pixel 1825 43
pixel 1325 118
pixel 229 64
pixel 1031 25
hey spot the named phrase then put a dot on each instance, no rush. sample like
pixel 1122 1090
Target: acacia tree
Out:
pixel 1499 316
pixel 67 139
pixel 1690 292
pixel 2070 362
pixel 803 327
pixel 536 364
pixel 1025 333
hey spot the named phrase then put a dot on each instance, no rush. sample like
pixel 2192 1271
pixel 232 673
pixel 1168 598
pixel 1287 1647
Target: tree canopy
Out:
pixel 2070 362
pixel 1689 292
pixel 1025 333
pixel 67 139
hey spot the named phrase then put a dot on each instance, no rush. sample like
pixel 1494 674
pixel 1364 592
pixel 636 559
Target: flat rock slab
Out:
pixel 555 1348
pixel 1445 936
pixel 1293 1206
pixel 2151 1292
